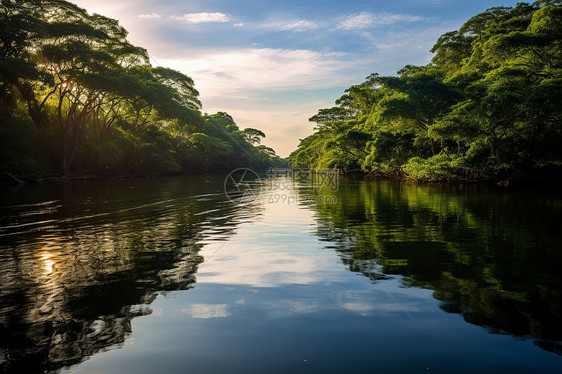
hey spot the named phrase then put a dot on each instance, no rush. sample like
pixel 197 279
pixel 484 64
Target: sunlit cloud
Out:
pixel 151 15
pixel 365 20
pixel 203 17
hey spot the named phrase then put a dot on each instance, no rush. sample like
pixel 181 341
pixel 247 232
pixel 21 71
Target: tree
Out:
pixel 253 136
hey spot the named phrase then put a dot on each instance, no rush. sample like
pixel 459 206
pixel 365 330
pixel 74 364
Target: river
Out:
pixel 174 275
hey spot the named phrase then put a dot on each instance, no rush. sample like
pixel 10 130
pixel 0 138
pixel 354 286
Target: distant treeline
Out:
pixel 76 96
pixel 489 105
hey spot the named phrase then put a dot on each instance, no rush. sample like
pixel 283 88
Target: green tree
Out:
pixel 253 136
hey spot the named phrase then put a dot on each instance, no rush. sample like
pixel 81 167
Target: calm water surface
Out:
pixel 170 276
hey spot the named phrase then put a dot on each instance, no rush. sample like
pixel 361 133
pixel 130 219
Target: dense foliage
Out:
pixel 488 105
pixel 76 96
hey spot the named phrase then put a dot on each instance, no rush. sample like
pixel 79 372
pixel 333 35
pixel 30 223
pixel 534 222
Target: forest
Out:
pixel 76 98
pixel 487 107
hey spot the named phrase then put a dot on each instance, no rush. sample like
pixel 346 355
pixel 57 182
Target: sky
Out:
pixel 272 64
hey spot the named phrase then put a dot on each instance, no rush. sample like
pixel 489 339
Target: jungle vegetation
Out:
pixel 77 97
pixel 488 105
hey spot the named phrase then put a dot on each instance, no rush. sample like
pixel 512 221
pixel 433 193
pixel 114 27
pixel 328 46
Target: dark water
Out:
pixel 170 276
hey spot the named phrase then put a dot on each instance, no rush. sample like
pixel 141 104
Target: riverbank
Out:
pixel 549 180
pixel 15 179
pixel 551 177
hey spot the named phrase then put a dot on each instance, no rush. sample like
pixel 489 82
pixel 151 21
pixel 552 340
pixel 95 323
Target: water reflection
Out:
pixel 80 260
pixel 279 249
pixel 491 256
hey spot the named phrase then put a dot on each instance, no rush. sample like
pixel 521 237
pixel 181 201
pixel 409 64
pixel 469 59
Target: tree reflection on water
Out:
pixel 77 269
pixel 491 256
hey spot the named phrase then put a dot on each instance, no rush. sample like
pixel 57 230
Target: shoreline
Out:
pixel 550 180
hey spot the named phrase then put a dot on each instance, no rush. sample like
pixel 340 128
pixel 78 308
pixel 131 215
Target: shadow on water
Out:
pixel 492 256
pixel 80 260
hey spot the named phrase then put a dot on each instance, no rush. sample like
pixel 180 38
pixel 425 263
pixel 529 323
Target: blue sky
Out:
pixel 273 64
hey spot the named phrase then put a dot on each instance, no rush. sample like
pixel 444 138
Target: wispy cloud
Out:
pixel 365 20
pixel 151 15
pixel 291 25
pixel 203 17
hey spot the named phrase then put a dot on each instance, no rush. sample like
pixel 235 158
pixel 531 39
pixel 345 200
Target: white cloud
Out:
pixel 203 17
pixel 366 20
pixel 151 15
pixel 360 21
pixel 291 25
